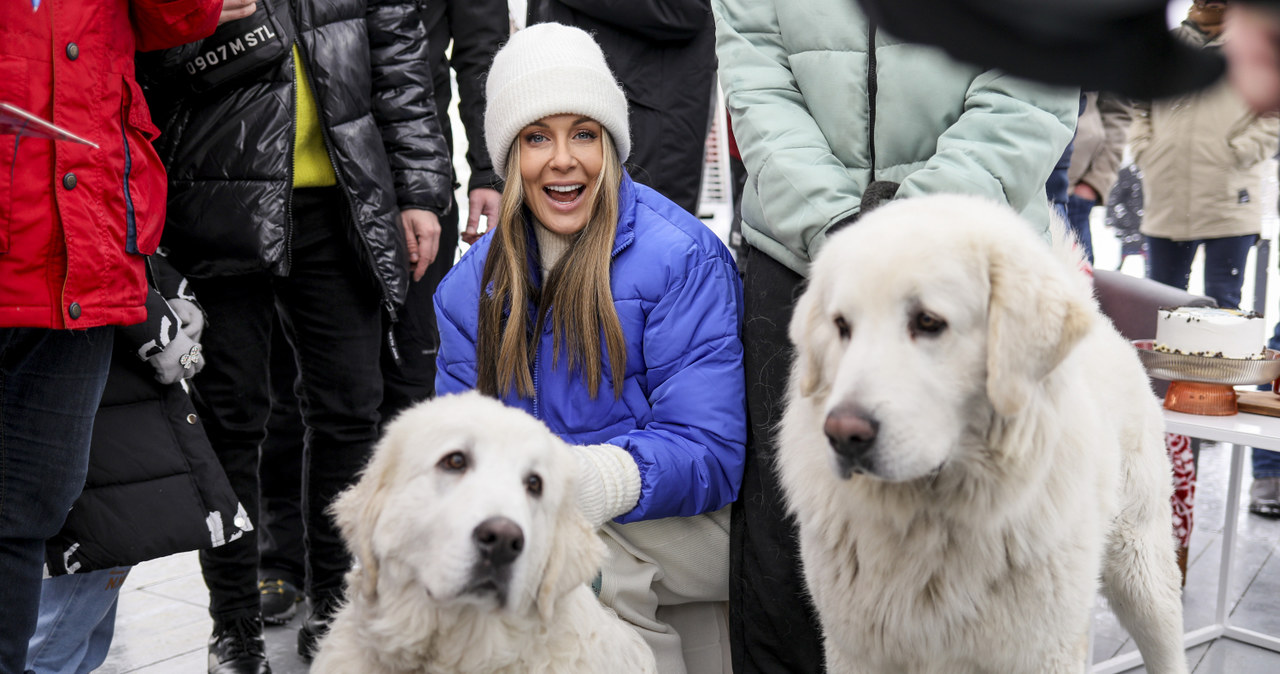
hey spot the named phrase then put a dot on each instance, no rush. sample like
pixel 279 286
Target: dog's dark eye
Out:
pixel 533 484
pixel 925 323
pixel 842 326
pixel 454 461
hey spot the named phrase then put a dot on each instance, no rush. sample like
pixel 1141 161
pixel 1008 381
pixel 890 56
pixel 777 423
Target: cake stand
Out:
pixel 1203 384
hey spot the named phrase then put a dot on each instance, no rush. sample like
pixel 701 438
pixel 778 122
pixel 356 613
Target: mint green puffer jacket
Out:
pixel 795 76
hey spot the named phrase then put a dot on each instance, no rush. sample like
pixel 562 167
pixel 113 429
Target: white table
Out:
pixel 1239 431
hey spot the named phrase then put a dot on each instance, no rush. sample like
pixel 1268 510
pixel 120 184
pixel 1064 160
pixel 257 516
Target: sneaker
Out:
pixel 280 600
pixel 236 647
pixel 316 626
pixel 1264 497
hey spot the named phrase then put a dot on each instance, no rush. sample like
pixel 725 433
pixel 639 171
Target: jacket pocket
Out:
pixel 13 90
pixel 143 179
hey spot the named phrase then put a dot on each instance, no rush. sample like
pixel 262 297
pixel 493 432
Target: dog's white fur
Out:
pixel 1019 454
pixel 418 599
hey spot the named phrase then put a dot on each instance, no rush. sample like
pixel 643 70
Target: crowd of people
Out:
pixel 257 248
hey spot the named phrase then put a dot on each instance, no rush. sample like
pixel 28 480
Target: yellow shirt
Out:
pixel 311 165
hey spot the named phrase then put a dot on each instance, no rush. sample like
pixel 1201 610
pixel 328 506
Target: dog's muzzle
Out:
pixel 852 434
pixel 498 542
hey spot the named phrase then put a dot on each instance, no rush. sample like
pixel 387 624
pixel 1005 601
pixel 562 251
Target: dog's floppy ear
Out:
pixel 1035 317
pixel 357 510
pixel 810 354
pixel 576 549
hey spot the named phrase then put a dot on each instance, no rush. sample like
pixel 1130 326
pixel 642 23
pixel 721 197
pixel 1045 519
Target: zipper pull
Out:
pixel 393 346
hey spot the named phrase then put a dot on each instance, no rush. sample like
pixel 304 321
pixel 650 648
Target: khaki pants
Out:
pixel 669 579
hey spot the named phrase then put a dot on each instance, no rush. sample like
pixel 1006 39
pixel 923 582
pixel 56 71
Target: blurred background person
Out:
pixel 1200 156
pixel 1101 133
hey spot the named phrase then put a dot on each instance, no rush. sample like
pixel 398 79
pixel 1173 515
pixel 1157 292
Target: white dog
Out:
pixel 471 554
pixel 968 446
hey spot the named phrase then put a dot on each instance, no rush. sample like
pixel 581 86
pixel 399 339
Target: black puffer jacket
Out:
pixel 229 152
pixel 664 54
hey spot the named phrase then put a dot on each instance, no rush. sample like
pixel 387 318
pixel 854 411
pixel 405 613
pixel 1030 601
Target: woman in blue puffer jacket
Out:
pixel 636 357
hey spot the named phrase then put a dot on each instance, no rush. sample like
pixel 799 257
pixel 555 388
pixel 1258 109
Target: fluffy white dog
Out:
pixel 968 446
pixel 471 554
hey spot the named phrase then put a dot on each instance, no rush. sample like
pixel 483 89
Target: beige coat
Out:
pixel 1201 156
pixel 1099 144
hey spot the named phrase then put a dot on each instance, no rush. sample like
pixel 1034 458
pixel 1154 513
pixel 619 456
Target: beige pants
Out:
pixel 669 579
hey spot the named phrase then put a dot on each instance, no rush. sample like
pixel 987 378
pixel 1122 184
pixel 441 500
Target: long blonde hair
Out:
pixel 576 292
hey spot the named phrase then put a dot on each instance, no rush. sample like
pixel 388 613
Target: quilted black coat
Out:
pixel 154 485
pixel 229 151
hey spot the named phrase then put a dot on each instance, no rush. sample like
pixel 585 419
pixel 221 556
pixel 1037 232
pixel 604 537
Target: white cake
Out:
pixel 1210 331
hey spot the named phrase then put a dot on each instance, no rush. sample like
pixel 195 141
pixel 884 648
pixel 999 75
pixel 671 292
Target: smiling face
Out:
pixel 561 157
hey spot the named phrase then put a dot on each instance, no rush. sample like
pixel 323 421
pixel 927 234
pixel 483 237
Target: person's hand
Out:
pixel 1252 48
pixel 481 201
pixel 1084 191
pixel 236 9
pixel 180 359
pixel 422 234
pixel 190 315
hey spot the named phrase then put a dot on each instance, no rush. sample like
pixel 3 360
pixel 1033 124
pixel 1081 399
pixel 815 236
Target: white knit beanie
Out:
pixel 550 69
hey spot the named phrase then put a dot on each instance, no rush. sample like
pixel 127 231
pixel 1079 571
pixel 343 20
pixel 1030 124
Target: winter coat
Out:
pixel 1101 45
pixel 663 54
pixel 1099 143
pixel 476 29
pixel 1200 156
pixel 230 152
pixel 76 222
pixel 682 409
pixel 796 77
pixel 154 485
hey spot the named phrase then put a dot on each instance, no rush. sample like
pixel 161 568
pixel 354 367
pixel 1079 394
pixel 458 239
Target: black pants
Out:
pixel 280 527
pixel 773 625
pixel 331 313
pixel 405 383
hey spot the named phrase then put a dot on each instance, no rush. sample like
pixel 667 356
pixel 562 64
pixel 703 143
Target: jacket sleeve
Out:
pixel 773 126
pixel 404 108
pixel 159 24
pixel 149 337
pixel 1117 116
pixel 1140 130
pixel 655 19
pixel 1256 141
pixel 478 32
pixel 456 303
pixel 1003 145
pixel 691 453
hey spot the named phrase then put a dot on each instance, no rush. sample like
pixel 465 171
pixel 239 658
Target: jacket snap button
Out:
pixel 69 181
pixel 191 418
pixel 73 51
pixel 74 310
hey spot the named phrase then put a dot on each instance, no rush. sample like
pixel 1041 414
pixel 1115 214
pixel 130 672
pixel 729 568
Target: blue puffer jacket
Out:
pixel 682 412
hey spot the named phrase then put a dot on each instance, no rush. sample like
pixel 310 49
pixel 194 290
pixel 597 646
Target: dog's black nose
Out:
pixel 851 432
pixel 499 540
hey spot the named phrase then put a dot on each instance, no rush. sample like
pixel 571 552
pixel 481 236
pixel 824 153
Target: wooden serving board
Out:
pixel 1265 403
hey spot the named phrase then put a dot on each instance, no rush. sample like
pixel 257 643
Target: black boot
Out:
pixel 316 626
pixel 236 647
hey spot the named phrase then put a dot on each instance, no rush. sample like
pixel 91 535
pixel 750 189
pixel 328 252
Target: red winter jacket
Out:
pixel 75 222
